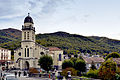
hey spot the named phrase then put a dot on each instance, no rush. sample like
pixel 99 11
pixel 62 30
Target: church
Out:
pixel 29 53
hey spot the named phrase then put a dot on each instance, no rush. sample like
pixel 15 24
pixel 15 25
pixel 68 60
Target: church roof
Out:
pixel 28 19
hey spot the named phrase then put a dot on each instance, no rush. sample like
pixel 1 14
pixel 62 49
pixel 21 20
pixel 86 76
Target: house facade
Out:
pixel 57 55
pixel 5 57
pixel 90 60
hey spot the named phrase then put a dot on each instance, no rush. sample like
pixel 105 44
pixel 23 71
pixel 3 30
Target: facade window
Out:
pixel 32 35
pixel 24 35
pixel 27 35
pixel 42 53
pixel 19 53
pixel 60 57
pixel 27 52
pixel 19 63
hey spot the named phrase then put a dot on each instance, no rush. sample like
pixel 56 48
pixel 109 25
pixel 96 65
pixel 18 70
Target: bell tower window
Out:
pixel 27 35
pixel 32 35
pixel 24 35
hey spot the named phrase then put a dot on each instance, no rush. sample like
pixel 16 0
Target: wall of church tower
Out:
pixel 28 35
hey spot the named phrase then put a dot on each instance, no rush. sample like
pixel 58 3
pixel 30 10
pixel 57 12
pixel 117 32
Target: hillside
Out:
pixel 10 38
pixel 70 43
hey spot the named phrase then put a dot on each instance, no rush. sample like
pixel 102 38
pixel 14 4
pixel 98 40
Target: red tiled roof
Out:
pixel 117 60
pixel 93 59
pixel 54 48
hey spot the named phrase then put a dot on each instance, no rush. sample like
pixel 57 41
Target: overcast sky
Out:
pixel 84 17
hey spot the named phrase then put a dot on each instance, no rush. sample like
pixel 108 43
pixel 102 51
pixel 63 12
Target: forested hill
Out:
pixel 70 43
pixel 10 38
pixel 73 43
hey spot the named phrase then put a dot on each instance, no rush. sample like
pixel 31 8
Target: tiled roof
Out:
pixel 93 59
pixel 117 60
pixel 54 49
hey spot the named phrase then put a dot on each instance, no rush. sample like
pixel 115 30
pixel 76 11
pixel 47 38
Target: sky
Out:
pixel 83 17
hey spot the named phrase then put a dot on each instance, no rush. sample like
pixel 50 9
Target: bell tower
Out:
pixel 28 31
pixel 28 38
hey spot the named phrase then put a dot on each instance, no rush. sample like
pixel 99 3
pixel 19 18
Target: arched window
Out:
pixel 32 35
pixel 42 53
pixel 19 53
pixel 27 52
pixel 60 57
pixel 24 35
pixel 27 35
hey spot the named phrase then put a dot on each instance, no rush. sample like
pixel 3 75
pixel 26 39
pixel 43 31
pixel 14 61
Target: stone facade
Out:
pixel 57 55
pixel 28 54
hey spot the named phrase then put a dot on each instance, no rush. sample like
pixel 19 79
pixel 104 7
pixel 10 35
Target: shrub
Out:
pixel 73 72
pixel 92 73
pixel 33 70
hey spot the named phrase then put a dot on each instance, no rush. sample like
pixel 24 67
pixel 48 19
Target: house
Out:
pixel 57 55
pixel 90 60
pixel 5 56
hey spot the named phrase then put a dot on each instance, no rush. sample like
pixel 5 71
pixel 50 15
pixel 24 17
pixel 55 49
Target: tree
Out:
pixel 107 70
pixel 73 60
pixel 80 65
pixel 113 54
pixel 45 62
pixel 67 64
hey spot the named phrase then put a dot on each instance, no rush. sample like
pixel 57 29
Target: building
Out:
pixel 28 54
pixel 57 55
pixel 90 60
pixel 5 56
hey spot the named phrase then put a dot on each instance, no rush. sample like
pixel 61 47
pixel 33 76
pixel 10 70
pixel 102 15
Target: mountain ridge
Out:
pixel 71 43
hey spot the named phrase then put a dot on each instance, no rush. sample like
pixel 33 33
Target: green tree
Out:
pixel 80 65
pixel 67 64
pixel 45 62
pixel 113 54
pixel 107 70
pixel 73 60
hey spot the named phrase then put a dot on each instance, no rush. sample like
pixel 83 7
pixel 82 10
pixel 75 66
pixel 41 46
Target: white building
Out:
pixel 57 55
pixel 28 54
pixel 5 56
